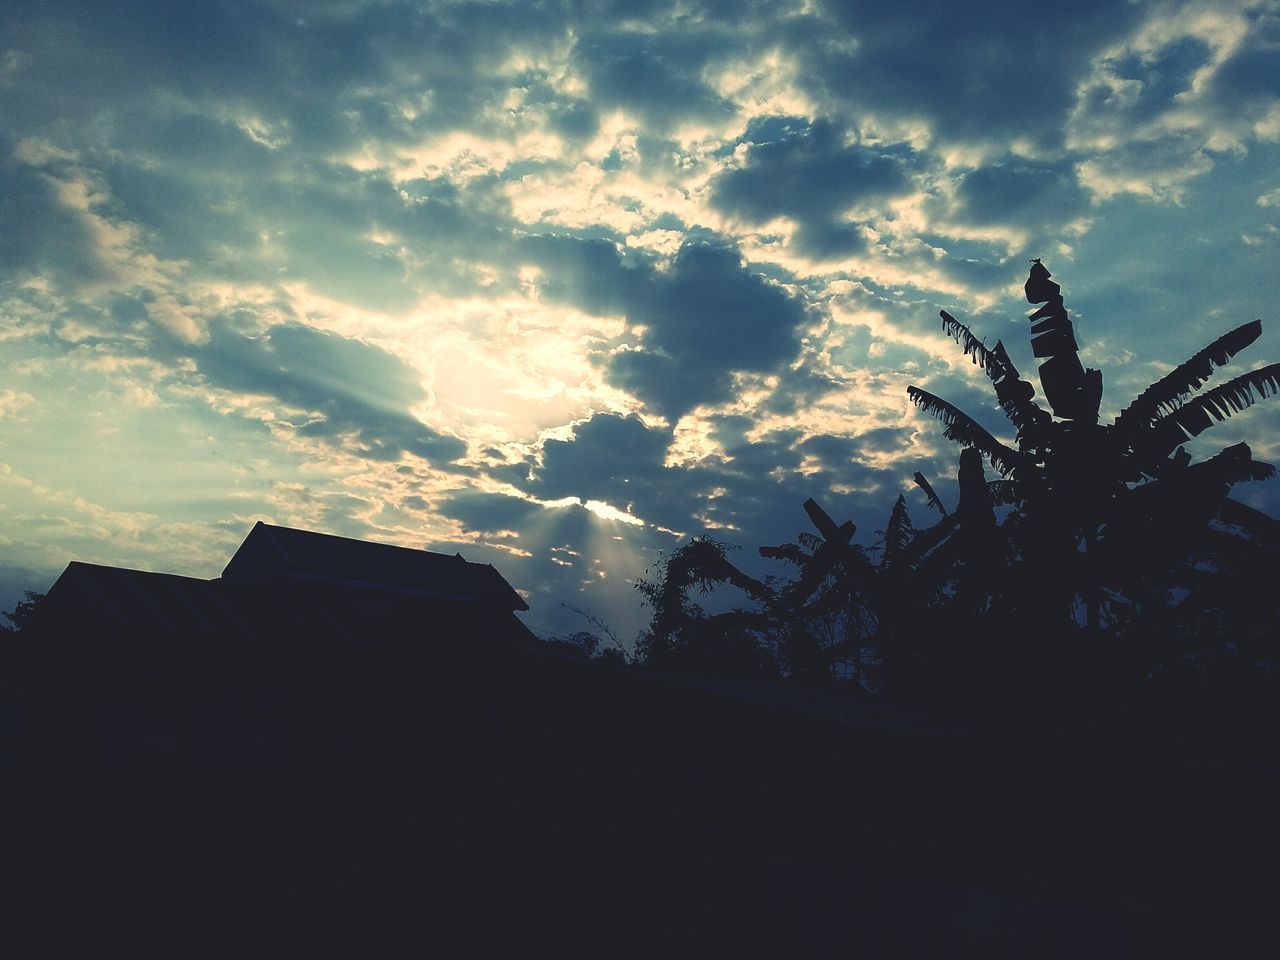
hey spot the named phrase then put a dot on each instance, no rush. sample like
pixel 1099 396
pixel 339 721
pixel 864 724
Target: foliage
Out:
pixel 589 645
pixel 1117 564
pixel 22 614
pixel 1090 499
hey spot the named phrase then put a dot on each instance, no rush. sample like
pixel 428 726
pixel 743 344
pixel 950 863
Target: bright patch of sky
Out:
pixel 553 286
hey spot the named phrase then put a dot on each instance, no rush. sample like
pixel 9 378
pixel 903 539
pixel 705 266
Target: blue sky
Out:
pixel 556 284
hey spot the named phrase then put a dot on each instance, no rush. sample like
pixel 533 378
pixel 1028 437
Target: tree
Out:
pixel 22 614
pixel 1093 499
pixel 801 627
pixel 828 621
pixel 681 637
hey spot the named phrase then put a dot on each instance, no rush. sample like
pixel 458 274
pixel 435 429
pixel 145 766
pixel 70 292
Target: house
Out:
pixel 283 583
pixel 282 554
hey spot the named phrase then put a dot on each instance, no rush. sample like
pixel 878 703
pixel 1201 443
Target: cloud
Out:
pixel 980 74
pixel 589 273
pixel 1034 195
pixel 344 390
pixel 654 76
pixel 1165 104
pixel 810 173
pixel 39 235
pixel 12 402
pixel 481 275
pixel 703 318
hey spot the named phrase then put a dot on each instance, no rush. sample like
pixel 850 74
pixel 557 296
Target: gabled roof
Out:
pixel 283 552
pixel 116 595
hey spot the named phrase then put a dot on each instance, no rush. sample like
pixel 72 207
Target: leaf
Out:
pixel 825 525
pixel 1004 493
pixel 973 347
pixel 1234 464
pixel 1194 416
pixel 701 563
pixel 1039 288
pixel 1167 393
pixel 933 499
pixel 928 539
pixel 789 552
pixel 1014 394
pixel 1181 491
pixel 810 541
pixel 824 562
pixel 963 429
pixel 898 532
pixel 747 584
pixel 1260 526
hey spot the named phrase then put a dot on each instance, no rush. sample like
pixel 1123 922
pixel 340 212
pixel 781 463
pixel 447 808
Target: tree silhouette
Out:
pixel 681 637
pixel 833 617
pixel 1092 499
pixel 984 605
pixel 21 615
pixel 802 626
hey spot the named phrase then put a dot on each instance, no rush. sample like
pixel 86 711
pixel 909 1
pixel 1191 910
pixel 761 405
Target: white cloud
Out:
pixel 12 402
pixel 1153 114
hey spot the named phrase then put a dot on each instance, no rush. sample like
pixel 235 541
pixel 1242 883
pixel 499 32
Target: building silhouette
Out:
pixel 344 749
pixel 295 582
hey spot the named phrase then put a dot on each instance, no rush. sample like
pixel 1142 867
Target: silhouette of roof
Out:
pixel 121 595
pixel 270 552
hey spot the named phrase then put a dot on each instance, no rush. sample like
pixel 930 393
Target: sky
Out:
pixel 557 285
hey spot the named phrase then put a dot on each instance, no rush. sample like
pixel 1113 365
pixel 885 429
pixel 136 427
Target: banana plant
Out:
pixel 1081 487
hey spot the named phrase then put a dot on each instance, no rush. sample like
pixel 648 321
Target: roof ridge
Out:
pixel 275 541
pixel 275 528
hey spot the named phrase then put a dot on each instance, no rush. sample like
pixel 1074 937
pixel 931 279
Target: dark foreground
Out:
pixel 311 799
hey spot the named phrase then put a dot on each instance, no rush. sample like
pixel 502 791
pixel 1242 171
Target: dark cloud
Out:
pixel 806 171
pixel 606 455
pixel 361 393
pixel 835 451
pixel 38 234
pixel 800 387
pixel 705 317
pixel 572 118
pixel 480 511
pixel 202 219
pixel 620 461
pixel 617 460
pixel 750 497
pixel 591 274
pixel 986 72
pixel 1022 192
pixel 325 71
pixel 655 75
pixel 1249 75
pixel 983 269
pixel 1160 76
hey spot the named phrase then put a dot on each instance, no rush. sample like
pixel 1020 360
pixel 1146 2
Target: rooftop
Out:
pixel 270 551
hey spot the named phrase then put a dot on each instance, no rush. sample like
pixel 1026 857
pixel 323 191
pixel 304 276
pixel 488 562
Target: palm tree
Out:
pixel 1092 496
